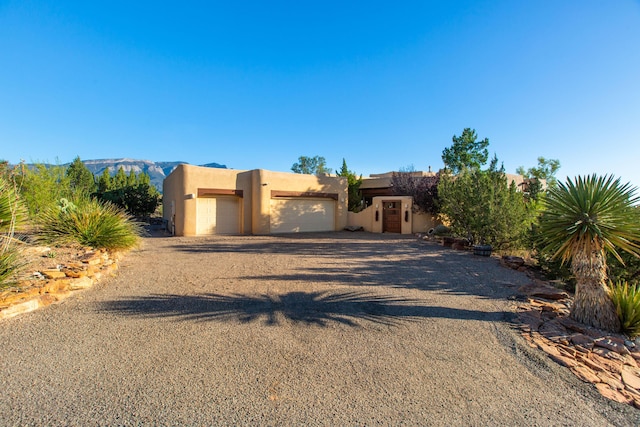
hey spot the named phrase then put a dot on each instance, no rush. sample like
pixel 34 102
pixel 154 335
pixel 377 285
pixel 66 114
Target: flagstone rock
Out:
pixel 573 345
pixel 611 344
pixel 585 374
pixel 543 291
pixel 610 380
pixel 582 340
pixel 609 393
pixel 81 283
pixel 76 275
pixel 53 274
pixel 631 377
pixel 514 262
pixel 20 308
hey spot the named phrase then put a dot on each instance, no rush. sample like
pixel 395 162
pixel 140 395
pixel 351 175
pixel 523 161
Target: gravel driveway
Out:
pixel 313 329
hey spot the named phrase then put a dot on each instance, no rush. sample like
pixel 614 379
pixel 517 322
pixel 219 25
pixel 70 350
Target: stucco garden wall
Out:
pixel 418 222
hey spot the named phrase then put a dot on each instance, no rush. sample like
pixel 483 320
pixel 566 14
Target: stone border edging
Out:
pixel 608 361
pixel 59 284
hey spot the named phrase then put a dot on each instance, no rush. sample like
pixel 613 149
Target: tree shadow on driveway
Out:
pixel 310 308
pixel 371 260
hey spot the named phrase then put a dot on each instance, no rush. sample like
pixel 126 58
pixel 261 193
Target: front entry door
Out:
pixel 391 217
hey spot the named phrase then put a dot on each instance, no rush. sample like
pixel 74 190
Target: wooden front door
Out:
pixel 391 216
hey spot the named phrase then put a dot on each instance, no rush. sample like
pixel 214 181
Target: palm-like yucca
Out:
pixel 584 219
pixel 11 213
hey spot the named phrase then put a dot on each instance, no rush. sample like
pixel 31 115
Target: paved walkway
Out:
pixel 315 329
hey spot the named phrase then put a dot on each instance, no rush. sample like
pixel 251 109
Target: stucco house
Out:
pixel 202 201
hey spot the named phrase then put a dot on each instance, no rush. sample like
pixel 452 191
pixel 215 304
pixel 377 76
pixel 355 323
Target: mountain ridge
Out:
pixel 157 171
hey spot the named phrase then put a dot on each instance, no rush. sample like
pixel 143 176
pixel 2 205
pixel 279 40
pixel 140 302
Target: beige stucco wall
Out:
pixel 363 219
pixel 418 222
pixel 423 222
pixel 181 189
pixel 367 218
pixel 182 185
pixel 264 182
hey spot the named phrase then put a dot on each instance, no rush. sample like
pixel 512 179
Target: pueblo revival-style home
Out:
pixel 203 201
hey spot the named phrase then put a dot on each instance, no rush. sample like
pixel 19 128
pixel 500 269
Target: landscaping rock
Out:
pixel 631 377
pixel 582 340
pixel 611 344
pixel 53 274
pixel 585 374
pixel 33 294
pixel 609 393
pixel 543 291
pixel 514 262
pixel 81 283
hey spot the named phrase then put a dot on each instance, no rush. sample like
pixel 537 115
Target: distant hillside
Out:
pixel 158 171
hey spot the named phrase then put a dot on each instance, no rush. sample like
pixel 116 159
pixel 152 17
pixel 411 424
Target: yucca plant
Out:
pixel 626 299
pixel 11 214
pixel 583 219
pixel 89 223
pixel 11 263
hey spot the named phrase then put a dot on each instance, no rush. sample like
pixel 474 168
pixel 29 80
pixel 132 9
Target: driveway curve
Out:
pixel 314 329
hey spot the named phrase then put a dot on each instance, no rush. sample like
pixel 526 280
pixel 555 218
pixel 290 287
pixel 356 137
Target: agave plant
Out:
pixel 584 219
pixel 626 299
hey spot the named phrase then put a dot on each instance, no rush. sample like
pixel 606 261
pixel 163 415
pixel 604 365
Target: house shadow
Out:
pixel 306 308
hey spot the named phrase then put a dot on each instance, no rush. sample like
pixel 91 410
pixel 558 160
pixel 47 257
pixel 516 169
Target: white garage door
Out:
pixel 218 215
pixel 294 215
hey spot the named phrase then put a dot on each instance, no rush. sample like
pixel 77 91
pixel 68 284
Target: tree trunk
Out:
pixel 592 304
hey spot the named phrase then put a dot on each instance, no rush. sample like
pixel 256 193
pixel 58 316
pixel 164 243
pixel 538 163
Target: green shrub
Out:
pixel 42 186
pixel 10 264
pixel 626 299
pixel 441 230
pixel 89 222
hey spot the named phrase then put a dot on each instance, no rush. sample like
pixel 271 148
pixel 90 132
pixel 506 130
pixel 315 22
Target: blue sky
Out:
pixel 384 85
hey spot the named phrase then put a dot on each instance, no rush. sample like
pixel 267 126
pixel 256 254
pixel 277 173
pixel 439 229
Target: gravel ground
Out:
pixel 315 329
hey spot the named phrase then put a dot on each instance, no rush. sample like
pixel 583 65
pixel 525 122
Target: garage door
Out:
pixel 218 215
pixel 294 215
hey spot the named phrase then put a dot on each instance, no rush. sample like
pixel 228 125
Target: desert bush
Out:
pixel 441 230
pixel 89 222
pixel 11 214
pixel 626 299
pixel 42 186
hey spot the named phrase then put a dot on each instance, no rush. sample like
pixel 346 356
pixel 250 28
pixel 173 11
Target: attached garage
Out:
pixel 295 215
pixel 218 215
pixel 207 201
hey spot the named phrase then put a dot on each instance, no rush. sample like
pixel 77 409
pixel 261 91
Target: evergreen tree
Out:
pixel 354 196
pixel 120 179
pixel 131 178
pixel 316 165
pixel 132 192
pixel 483 207
pixel 81 180
pixel 466 152
pixel 105 182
